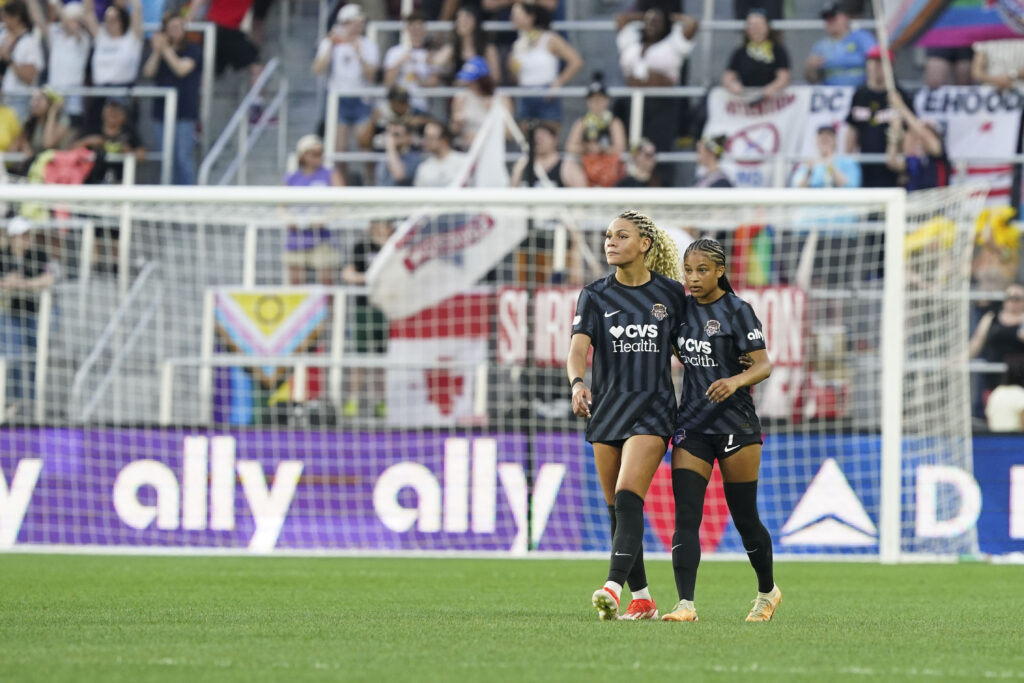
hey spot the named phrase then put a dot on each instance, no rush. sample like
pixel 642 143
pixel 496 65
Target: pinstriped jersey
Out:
pixel 709 341
pixel 630 329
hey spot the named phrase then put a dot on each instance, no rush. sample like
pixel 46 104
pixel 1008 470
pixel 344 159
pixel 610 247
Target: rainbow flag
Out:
pixel 952 23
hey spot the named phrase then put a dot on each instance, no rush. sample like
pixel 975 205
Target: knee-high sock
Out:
pixel 629 535
pixel 638 574
pixel 688 489
pixel 742 500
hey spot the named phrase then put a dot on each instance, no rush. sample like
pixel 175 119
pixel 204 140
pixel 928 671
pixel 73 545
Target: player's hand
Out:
pixel 581 399
pixel 722 389
pixel 746 361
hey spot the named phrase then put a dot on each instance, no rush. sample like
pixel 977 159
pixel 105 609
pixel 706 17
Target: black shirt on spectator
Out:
pixel 187 87
pixel 756 64
pixel 32 263
pixel 870 115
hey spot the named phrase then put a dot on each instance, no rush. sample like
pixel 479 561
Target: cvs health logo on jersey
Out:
pixel 634 338
pixel 701 350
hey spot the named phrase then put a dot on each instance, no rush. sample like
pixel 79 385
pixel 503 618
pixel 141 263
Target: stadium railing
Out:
pixel 238 126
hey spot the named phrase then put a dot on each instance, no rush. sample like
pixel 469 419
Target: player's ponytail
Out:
pixel 716 254
pixel 663 255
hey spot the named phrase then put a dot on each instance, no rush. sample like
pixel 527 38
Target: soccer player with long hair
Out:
pixel 716 419
pixel 628 318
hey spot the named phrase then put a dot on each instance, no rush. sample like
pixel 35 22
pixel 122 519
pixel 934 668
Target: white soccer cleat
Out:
pixel 764 605
pixel 607 604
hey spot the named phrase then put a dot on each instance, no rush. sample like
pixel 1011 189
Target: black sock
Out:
pixel 629 535
pixel 638 574
pixel 688 489
pixel 742 500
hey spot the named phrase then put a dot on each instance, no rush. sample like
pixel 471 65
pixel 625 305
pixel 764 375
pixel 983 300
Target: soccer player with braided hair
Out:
pixel 628 318
pixel 716 419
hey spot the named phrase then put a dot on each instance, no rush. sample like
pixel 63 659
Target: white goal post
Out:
pixel 863 294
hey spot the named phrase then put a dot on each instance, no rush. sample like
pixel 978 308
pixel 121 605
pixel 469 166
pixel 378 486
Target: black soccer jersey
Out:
pixel 709 341
pixel 630 329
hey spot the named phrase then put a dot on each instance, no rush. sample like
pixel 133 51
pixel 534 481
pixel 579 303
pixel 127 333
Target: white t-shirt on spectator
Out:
pixel 537 64
pixel 1003 58
pixel 434 172
pixel 115 61
pixel 26 51
pixel 666 56
pixel 346 70
pixel 69 58
pixel 415 69
pixel 1004 408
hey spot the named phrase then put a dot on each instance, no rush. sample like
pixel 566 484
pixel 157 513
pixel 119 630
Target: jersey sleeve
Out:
pixel 583 321
pixel 749 333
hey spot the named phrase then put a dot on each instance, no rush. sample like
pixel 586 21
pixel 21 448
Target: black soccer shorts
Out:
pixel 707 447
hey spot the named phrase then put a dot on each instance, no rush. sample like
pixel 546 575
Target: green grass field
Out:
pixel 80 618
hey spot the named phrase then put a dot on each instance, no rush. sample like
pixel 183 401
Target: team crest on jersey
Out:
pixel 712 327
pixel 659 311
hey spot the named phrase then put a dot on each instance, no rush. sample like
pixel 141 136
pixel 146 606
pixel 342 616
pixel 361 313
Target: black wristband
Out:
pixel 572 384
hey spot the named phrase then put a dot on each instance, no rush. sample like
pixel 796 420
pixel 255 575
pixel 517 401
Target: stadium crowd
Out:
pixel 47 47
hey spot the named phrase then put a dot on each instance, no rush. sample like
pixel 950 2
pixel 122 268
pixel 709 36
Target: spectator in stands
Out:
pixel 771 9
pixel 997 255
pixel 949 65
pixel 68 44
pixel 598 138
pixel 921 158
pixel 371 324
pixel 47 126
pixel 838 59
pixel 233 47
pixel 652 50
pixel 999 63
pixel 466 41
pixel 395 108
pixel 829 169
pixel 401 159
pixel 114 135
pixel 998 338
pixel 1004 409
pixel 551 167
pixel 21 56
pixel 117 51
pixel 310 254
pixel 473 102
pixel 534 63
pixel 25 270
pixel 409 65
pixel 761 61
pixel 709 154
pixel 640 168
pixel 175 63
pixel 441 164
pixel 351 61
pixel 868 123
pixel 10 127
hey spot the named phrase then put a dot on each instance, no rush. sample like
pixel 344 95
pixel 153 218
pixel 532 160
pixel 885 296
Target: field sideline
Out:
pixel 89 618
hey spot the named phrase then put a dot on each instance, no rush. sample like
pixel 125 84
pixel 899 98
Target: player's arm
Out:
pixel 761 369
pixel 576 368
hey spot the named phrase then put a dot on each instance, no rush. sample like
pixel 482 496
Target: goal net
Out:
pixel 248 369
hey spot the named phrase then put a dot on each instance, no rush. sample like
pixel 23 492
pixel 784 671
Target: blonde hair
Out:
pixel 663 256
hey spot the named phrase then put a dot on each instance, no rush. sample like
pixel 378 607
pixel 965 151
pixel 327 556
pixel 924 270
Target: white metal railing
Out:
pixel 107 339
pixel 238 126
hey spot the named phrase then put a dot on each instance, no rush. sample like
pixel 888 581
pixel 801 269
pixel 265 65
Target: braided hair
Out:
pixel 715 253
pixel 662 257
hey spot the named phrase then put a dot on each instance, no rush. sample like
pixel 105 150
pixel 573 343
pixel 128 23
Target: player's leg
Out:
pixel 739 475
pixel 639 460
pixel 691 470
